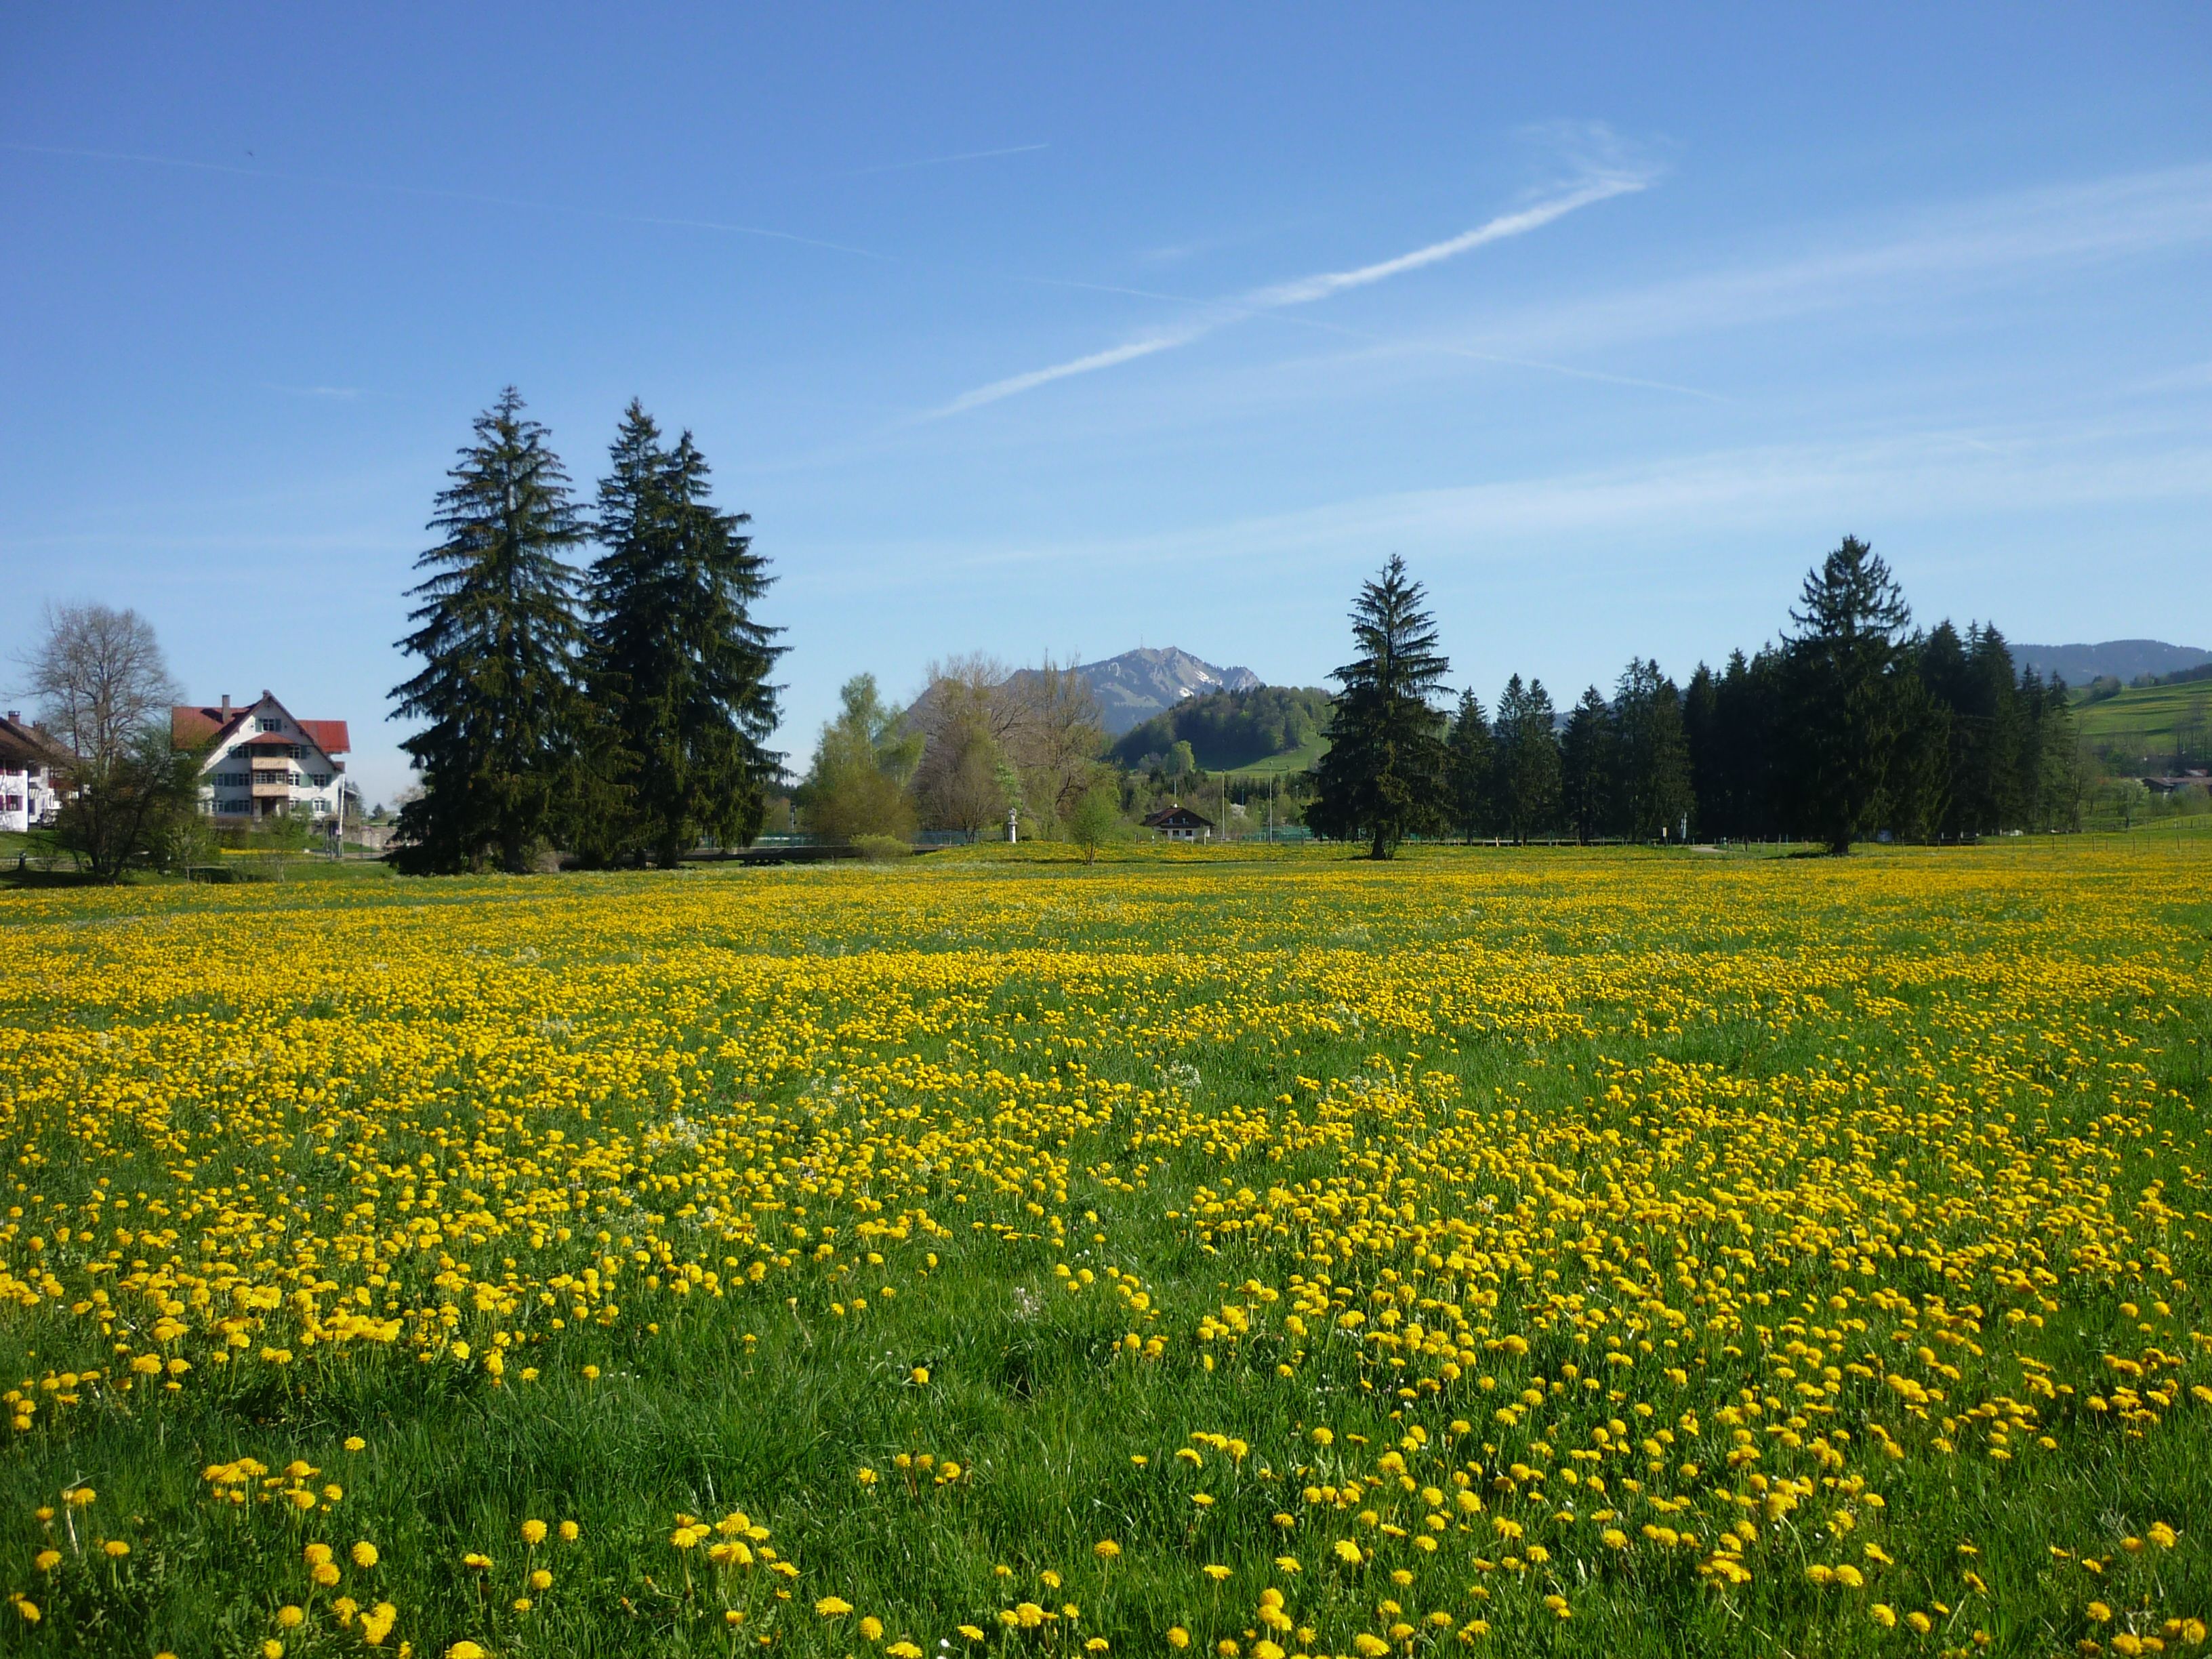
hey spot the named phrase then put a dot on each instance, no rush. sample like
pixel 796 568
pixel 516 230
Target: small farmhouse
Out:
pixel 1179 822
pixel 29 762
pixel 262 762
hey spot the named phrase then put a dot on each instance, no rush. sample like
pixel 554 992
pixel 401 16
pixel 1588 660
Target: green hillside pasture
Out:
pixel 2162 722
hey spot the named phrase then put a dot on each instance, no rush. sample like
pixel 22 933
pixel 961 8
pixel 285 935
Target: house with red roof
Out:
pixel 262 762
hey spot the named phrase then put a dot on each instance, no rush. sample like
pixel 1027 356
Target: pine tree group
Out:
pixel 1852 725
pixel 625 722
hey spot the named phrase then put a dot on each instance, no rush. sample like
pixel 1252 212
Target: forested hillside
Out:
pixel 1230 729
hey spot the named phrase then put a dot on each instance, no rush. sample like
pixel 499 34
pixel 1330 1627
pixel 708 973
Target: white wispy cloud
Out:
pixel 1306 290
pixel 1938 253
pixel 1806 489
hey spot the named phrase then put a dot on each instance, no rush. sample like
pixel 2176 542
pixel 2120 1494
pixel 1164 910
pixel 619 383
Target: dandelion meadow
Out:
pixel 1487 1253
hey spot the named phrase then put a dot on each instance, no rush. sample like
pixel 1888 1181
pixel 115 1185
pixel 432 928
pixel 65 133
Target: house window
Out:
pixel 265 724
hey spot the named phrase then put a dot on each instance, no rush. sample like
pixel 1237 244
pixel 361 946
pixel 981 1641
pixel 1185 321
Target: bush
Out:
pixel 881 849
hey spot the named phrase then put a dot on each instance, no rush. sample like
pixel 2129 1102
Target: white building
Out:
pixel 263 762
pixel 28 794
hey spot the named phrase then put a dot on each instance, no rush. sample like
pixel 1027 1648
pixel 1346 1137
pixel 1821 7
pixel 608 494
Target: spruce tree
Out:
pixel 497 634
pixel 1587 757
pixel 1843 692
pixel 1655 799
pixel 678 665
pixel 1939 662
pixel 1528 775
pixel 1748 715
pixel 1920 768
pixel 1384 776
pixel 1467 771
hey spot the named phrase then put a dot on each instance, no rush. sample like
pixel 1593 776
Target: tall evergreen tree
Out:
pixel 1989 715
pixel 1655 800
pixel 1466 772
pixel 678 663
pixel 1384 776
pixel 1750 712
pixel 1586 756
pixel 1920 768
pixel 2060 781
pixel 1527 778
pixel 1709 779
pixel 1939 662
pixel 1842 693
pixel 497 634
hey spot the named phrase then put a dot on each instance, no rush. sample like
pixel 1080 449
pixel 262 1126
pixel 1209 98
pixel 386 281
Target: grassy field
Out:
pixel 1495 1252
pixel 1301 759
pixel 2151 720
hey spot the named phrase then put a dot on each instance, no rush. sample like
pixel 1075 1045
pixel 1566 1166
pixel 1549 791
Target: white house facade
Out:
pixel 29 795
pixel 262 762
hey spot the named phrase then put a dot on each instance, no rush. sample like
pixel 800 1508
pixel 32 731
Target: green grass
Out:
pixel 1301 759
pixel 1568 1109
pixel 2149 720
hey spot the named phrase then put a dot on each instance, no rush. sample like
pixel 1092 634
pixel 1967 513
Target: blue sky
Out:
pixel 1035 329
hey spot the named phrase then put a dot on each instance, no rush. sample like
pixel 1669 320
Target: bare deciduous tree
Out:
pixel 1058 738
pixel 100 679
pixel 980 718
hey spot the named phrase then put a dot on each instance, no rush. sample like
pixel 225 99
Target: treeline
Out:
pixel 1977 745
pixel 1227 729
pixel 620 710
pixel 1855 724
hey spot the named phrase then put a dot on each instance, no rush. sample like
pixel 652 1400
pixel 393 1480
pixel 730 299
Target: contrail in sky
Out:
pixel 1304 290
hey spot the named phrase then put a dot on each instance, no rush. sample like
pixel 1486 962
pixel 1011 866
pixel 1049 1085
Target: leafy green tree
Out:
pixel 1654 798
pixel 497 635
pixel 1094 820
pixel 679 665
pixel 1843 696
pixel 1468 767
pixel 1384 776
pixel 1528 775
pixel 856 785
pixel 1588 754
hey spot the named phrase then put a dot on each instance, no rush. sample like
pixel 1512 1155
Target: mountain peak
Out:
pixel 1136 684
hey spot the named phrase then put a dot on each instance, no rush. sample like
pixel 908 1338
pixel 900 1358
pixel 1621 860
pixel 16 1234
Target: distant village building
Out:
pixel 264 763
pixel 29 764
pixel 1180 824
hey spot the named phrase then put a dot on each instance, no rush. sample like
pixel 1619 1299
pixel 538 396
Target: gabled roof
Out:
pixel 28 748
pixel 191 724
pixel 1177 817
